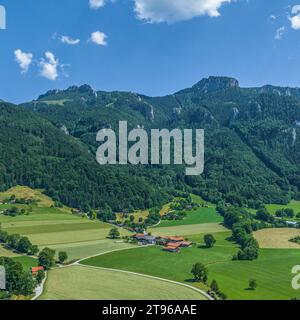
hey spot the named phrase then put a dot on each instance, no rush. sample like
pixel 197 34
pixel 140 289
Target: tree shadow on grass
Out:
pixel 203 246
pixel 191 281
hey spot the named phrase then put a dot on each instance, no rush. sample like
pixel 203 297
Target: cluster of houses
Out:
pixel 170 244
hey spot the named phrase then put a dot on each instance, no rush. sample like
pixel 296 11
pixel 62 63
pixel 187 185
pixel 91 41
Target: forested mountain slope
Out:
pixel 35 153
pixel 251 148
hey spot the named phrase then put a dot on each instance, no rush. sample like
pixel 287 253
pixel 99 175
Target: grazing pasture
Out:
pixel 277 238
pixel 137 214
pixel 78 236
pixel 27 262
pixel 86 249
pixel 199 200
pixel 294 204
pixel 87 283
pixel 199 216
pixel 222 239
pixel 155 261
pixel 28 193
pixel 57 228
pixel 272 270
pixel 192 229
pixel 7 253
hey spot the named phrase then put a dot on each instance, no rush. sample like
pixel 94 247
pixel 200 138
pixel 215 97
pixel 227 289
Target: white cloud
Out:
pixel 295 18
pixel 170 11
pixel 23 59
pixel 279 33
pixel 49 66
pixel 96 4
pixel 99 38
pixel 69 40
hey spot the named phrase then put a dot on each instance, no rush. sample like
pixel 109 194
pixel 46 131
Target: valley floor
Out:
pixel 88 283
pixel 93 279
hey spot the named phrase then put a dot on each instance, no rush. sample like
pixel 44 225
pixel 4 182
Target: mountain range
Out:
pixel 252 145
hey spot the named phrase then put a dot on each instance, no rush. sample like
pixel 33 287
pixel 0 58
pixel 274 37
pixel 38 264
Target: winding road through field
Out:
pixel 40 289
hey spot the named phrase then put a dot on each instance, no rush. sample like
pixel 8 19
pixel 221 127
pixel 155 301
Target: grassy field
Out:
pixel 277 238
pixel 6 253
pixel 84 283
pixel 27 262
pixel 272 270
pixel 191 229
pixel 201 215
pixel 28 193
pixel 165 209
pixel 222 238
pixel 155 261
pixel 85 249
pixel 199 200
pixel 295 205
pixel 137 214
pixel 57 228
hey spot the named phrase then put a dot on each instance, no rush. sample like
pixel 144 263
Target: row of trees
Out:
pixel 286 213
pixel 200 273
pixel 242 224
pixel 18 243
pixel 14 211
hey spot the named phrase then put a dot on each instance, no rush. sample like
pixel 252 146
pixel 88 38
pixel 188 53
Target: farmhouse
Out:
pixel 173 244
pixel 171 248
pixel 35 270
pixel 185 244
pixel 173 239
pixel 144 239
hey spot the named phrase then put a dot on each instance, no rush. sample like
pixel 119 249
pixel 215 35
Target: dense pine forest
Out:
pixel 251 145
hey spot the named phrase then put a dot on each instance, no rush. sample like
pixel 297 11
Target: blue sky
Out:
pixel 153 47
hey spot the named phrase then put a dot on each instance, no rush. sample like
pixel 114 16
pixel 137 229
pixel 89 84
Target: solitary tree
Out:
pixel 199 272
pixel 46 258
pixel 214 286
pixel 209 240
pixel 40 276
pixel 114 233
pixel 62 257
pixel 34 250
pixel 24 245
pixel 252 284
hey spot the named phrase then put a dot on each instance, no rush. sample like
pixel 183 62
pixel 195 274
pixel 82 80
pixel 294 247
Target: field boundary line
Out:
pixel 202 292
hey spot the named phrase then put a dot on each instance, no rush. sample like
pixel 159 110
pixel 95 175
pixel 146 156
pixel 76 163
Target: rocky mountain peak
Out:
pixel 212 84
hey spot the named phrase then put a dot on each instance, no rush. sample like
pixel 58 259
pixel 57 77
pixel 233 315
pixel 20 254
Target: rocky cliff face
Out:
pixel 212 84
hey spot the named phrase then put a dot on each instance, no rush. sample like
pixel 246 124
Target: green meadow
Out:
pixel 272 270
pixel 154 261
pixel 191 229
pixel 86 283
pixel 199 216
pixel 294 204
pixel 57 228
pixel 27 262
pixel 6 253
